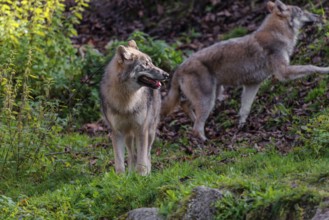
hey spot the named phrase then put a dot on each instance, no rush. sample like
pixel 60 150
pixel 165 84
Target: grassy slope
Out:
pixel 262 182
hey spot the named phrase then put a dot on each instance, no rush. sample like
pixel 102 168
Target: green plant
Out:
pixel 318 91
pixel 37 61
pixel 315 134
pixel 231 207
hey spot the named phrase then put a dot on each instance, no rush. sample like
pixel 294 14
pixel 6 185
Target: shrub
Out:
pixel 37 63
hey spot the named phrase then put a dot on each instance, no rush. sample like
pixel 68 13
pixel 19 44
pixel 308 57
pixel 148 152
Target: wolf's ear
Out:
pixel 270 6
pixel 281 6
pixel 123 53
pixel 132 44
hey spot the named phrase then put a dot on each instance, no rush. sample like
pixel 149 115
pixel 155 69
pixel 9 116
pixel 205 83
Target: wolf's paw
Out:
pixel 199 135
pixel 143 170
pixel 241 125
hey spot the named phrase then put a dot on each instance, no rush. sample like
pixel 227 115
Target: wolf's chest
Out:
pixel 127 122
pixel 124 116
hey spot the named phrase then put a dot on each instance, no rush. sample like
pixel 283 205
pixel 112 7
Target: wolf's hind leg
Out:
pixel 200 90
pixel 188 109
pixel 202 112
pixel 202 103
pixel 247 98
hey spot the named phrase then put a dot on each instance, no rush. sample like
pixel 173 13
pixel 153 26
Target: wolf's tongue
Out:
pixel 154 82
pixel 146 81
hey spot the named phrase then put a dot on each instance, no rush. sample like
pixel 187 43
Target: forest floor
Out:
pixel 195 26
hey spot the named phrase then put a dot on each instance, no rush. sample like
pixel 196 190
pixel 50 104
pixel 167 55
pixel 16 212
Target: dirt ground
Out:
pixel 198 24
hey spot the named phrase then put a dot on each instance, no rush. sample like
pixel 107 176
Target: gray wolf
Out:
pixel 131 102
pixel 246 61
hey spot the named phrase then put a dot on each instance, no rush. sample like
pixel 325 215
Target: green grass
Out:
pixel 257 184
pixel 77 180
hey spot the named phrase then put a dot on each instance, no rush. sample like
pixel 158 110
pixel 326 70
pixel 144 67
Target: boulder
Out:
pixel 322 213
pixel 144 214
pixel 201 204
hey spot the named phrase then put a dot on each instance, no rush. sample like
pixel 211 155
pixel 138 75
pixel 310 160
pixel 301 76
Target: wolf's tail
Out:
pixel 172 99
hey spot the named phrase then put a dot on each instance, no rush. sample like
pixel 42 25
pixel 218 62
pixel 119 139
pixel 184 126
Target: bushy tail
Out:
pixel 172 98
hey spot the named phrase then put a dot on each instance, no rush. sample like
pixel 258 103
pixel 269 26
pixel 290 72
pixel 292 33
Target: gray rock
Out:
pixel 201 204
pixel 144 214
pixel 322 213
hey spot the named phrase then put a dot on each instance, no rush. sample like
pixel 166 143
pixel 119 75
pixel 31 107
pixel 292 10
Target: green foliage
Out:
pixel 231 207
pixel 82 102
pixel 318 91
pixel 249 198
pixel 272 203
pixel 316 134
pixel 108 196
pixel 41 29
pixel 37 63
pixel 259 184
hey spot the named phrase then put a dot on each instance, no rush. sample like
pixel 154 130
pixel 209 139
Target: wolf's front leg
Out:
pixel 151 138
pixel 299 71
pixel 142 165
pixel 132 153
pixel 119 152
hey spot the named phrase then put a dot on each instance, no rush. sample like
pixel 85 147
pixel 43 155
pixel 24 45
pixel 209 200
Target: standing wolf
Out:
pixel 246 61
pixel 131 105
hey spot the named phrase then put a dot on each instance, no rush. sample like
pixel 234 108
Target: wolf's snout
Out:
pixel 311 18
pixel 315 17
pixel 165 75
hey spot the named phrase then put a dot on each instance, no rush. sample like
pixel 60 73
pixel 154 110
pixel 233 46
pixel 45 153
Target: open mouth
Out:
pixel 149 82
pixel 309 22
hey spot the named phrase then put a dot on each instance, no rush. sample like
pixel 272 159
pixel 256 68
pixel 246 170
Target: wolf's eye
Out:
pixel 299 11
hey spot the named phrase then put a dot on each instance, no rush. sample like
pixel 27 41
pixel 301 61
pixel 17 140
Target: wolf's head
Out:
pixel 137 67
pixel 293 15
